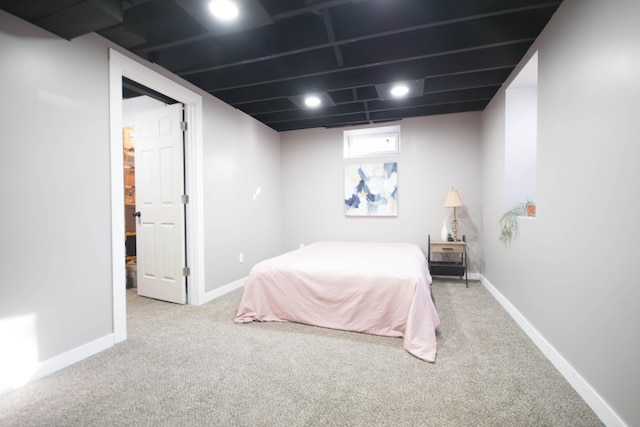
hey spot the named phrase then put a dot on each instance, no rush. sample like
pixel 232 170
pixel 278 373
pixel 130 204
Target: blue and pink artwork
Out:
pixel 371 189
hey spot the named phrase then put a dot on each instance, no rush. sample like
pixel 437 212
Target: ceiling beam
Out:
pixel 150 47
pixel 316 9
pixel 254 112
pixel 376 64
pixel 328 25
pixel 382 110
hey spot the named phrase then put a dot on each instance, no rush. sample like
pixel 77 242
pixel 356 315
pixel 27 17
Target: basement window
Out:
pixel 371 142
pixel 521 123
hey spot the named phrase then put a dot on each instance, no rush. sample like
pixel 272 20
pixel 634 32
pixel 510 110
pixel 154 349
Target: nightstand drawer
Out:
pixel 447 247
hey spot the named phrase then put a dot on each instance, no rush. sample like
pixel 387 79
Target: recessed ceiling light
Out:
pixel 399 90
pixel 224 9
pixel 312 101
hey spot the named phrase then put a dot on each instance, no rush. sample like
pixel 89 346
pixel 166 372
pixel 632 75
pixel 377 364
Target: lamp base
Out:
pixel 455 230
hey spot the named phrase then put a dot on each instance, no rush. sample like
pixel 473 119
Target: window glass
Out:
pixel 372 142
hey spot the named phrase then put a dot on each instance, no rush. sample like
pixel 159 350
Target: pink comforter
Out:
pixel 377 288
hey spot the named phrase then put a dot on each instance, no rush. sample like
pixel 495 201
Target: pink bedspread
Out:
pixel 377 288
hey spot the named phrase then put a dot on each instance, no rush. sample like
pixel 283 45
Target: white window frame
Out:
pixel 521 104
pixel 379 141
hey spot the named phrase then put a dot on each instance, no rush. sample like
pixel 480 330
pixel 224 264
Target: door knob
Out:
pixel 137 213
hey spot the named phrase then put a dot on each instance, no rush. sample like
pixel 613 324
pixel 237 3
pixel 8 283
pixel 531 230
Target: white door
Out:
pixel 160 222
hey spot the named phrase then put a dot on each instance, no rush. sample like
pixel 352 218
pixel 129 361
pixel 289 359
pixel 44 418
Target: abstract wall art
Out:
pixel 371 189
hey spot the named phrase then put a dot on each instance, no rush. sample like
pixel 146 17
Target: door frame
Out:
pixel 121 66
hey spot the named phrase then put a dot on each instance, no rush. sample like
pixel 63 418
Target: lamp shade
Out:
pixel 453 199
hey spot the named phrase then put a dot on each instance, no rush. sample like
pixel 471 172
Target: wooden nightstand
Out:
pixel 455 265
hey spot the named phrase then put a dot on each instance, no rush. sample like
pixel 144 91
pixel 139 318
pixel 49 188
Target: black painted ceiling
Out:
pixel 456 52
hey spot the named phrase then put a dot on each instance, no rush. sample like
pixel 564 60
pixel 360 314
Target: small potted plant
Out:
pixel 531 208
pixel 508 222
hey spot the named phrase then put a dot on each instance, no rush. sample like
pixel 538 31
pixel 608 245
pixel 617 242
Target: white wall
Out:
pixel 435 153
pixel 241 155
pixel 571 271
pixel 55 186
pixel 520 149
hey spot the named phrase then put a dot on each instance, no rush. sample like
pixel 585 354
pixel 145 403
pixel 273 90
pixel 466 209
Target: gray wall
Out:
pixel 240 156
pixel 435 153
pixel 571 271
pixel 54 186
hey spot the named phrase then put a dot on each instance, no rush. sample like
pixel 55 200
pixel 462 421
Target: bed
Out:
pixel 375 288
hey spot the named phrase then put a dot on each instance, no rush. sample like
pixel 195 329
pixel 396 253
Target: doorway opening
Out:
pixel 121 66
pixel 136 101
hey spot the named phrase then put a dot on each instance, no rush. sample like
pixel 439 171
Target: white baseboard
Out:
pixel 470 276
pixel 474 276
pixel 582 387
pixel 217 293
pixel 64 360
pixel 48 367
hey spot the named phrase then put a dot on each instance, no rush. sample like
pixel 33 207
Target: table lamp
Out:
pixel 453 201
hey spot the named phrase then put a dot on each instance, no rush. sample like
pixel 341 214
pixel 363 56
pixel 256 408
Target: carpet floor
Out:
pixel 193 366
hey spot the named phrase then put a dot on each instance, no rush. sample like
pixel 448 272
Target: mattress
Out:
pixel 375 288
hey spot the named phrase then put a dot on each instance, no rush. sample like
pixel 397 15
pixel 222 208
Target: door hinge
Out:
pixel 183 126
pixel 185 199
pixel 186 271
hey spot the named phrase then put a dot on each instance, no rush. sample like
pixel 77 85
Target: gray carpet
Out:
pixel 193 366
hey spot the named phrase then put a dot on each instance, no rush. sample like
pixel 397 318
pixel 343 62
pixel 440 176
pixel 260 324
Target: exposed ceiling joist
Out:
pixel 345 51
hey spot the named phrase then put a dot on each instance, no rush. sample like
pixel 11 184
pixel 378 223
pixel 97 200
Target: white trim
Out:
pixel 474 276
pixel 217 293
pixel 123 66
pixel 470 276
pixel 118 252
pixel 67 359
pixel 370 137
pixel 582 387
